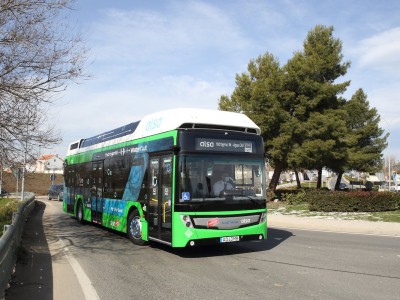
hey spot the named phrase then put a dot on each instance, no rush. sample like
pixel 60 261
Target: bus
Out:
pixel 181 177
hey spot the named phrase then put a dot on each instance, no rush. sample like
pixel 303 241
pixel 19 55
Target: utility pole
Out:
pixel 23 178
pixel 389 173
pixel 17 177
pixel 1 176
pixel 24 164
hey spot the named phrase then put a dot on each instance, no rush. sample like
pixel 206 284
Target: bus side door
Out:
pixel 70 184
pixel 159 202
pixel 96 191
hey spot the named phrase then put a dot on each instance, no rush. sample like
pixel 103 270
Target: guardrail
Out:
pixel 11 239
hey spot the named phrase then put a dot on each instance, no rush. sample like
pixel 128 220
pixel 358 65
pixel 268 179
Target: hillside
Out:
pixel 35 183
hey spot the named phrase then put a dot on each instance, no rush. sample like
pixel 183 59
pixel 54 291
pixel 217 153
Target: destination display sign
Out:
pixel 224 145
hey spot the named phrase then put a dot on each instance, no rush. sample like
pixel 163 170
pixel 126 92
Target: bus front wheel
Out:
pixel 134 229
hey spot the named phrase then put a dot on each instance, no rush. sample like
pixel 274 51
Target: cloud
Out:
pixel 149 60
pixel 385 99
pixel 100 108
pixel 152 56
pixel 380 51
pixel 154 41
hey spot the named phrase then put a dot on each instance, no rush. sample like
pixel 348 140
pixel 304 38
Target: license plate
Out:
pixel 228 239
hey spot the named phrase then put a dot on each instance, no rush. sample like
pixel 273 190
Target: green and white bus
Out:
pixel 182 177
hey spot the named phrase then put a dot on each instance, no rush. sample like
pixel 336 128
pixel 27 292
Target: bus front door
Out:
pixel 159 202
pixel 70 183
pixel 96 191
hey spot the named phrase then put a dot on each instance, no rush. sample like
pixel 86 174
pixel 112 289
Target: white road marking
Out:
pixel 87 287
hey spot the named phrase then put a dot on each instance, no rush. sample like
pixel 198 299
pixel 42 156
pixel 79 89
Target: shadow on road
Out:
pixel 33 277
pixel 275 237
pixel 92 238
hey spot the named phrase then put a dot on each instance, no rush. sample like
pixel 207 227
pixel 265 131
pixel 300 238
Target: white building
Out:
pixel 49 164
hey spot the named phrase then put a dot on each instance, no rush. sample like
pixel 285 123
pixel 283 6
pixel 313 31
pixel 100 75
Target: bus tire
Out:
pixel 134 228
pixel 79 213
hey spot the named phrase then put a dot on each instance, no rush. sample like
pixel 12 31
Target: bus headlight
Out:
pixel 263 217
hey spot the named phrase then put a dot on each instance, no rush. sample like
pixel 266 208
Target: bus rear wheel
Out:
pixel 134 229
pixel 79 213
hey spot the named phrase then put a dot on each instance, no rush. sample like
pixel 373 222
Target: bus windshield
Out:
pixel 216 178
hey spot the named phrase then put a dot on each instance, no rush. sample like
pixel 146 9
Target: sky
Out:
pixel 147 56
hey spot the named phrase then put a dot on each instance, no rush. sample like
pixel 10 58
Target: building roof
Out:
pixel 48 156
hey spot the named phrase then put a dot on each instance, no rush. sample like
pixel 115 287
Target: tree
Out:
pixel 299 108
pixel 39 56
pixel 261 95
pixel 365 138
pixel 312 76
pixel 323 144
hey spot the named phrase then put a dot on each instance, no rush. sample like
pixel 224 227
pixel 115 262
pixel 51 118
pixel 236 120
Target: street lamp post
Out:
pixel 23 178
pixel 389 173
pixel 24 163
pixel 388 143
pixel 1 177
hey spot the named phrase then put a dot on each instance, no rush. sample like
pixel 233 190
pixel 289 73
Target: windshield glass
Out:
pixel 220 178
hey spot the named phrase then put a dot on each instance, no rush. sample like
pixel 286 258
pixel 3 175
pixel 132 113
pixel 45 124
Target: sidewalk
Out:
pixel 334 225
pixel 33 277
pixel 42 271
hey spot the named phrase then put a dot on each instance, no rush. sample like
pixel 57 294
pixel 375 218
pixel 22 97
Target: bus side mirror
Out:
pixel 256 171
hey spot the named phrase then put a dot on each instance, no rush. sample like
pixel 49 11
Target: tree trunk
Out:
pixel 338 181
pixel 275 177
pixel 319 181
pixel 297 179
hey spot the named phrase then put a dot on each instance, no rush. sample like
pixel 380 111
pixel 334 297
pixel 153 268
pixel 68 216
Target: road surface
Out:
pixel 72 261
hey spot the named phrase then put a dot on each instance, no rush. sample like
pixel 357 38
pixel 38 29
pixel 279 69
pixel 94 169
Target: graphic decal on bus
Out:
pixel 135 179
pixel 114 207
pixel 185 196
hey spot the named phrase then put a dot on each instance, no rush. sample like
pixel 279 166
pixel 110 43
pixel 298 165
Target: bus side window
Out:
pixel 109 178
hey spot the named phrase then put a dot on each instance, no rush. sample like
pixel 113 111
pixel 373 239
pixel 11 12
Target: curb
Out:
pixel 334 225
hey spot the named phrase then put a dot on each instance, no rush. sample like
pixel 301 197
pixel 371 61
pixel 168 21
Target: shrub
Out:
pixel 7 207
pixel 353 201
pixel 283 194
pixel 339 201
pixel 297 198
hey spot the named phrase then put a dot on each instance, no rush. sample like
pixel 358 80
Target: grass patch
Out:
pixel 7 207
pixel 386 216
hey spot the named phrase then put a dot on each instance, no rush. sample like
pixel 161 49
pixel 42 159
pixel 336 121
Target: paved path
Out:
pixel 334 225
pixel 43 271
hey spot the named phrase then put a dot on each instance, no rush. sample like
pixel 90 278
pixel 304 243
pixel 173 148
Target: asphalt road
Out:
pixel 65 260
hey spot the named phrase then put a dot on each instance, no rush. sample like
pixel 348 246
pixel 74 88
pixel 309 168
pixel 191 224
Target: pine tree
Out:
pixel 365 137
pixel 261 95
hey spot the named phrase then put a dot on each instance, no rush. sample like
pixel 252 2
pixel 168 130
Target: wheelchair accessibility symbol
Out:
pixel 185 196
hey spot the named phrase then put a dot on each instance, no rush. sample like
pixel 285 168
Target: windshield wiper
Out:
pixel 254 201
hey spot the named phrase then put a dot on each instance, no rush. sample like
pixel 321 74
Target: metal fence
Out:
pixel 11 239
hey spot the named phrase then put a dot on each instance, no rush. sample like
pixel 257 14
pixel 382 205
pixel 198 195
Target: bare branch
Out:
pixel 39 55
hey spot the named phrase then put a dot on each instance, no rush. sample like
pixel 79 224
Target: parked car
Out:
pixel 56 192
pixel 385 187
pixel 3 192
